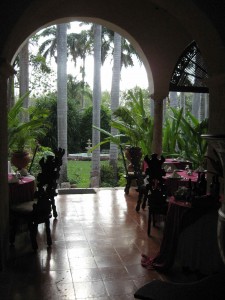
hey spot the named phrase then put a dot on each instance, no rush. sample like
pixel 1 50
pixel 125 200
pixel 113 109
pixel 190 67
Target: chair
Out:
pixel 136 175
pixel 39 210
pixel 155 193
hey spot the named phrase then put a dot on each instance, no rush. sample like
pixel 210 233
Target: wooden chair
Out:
pixel 155 193
pixel 40 209
pixel 136 175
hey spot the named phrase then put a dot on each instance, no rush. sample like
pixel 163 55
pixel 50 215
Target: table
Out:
pixel 178 164
pixel 172 184
pixel 181 216
pixel 21 191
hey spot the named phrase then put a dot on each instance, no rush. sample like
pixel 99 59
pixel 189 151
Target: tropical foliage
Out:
pixel 22 135
pixel 182 137
pixel 134 124
pixel 194 147
pixel 171 132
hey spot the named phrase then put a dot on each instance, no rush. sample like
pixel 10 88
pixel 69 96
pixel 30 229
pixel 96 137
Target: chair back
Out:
pixel 47 183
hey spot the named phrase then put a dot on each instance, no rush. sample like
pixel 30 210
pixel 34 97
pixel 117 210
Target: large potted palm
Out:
pixel 134 125
pixel 25 125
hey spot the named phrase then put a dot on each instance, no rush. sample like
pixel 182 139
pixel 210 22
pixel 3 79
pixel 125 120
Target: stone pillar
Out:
pixel 216 86
pixel 216 140
pixel 157 131
pixel 5 71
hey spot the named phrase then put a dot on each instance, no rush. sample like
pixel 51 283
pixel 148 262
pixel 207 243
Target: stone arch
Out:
pixel 107 24
pixel 160 32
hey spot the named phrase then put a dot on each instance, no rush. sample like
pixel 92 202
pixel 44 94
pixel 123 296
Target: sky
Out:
pixel 130 77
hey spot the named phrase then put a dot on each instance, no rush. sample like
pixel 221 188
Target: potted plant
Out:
pixel 24 127
pixel 134 125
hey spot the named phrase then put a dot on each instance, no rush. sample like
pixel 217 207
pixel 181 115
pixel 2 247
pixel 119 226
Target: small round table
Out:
pixel 21 191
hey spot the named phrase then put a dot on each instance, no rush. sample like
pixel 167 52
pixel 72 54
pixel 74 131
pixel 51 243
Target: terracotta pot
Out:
pixel 133 154
pixel 20 159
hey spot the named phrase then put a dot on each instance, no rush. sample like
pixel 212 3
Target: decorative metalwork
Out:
pixel 190 72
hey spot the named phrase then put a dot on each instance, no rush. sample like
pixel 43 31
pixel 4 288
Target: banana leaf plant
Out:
pixel 171 133
pixel 182 137
pixel 190 142
pixel 134 125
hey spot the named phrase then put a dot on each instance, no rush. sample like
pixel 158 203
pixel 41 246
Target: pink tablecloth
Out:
pixel 22 190
pixel 180 216
pixel 179 164
pixel 172 184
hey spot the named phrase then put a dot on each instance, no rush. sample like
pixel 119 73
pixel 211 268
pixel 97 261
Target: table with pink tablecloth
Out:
pixel 178 164
pixel 21 191
pixel 172 184
pixel 180 217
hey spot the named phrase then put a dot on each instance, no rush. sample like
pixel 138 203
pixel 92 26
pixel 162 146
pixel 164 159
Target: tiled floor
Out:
pixel 97 244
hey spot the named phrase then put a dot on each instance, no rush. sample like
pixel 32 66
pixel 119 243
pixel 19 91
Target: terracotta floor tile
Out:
pixel 54 277
pixel 120 287
pixel 90 289
pixel 55 264
pixel 103 251
pixel 97 244
pixel 112 273
pixel 79 252
pixel 107 261
pixel 58 291
pixel 83 275
pixel 82 262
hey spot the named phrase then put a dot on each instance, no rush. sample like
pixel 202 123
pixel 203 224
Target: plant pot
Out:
pixel 133 155
pixel 20 159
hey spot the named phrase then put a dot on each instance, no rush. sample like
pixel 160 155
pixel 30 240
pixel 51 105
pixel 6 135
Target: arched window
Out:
pixel 190 72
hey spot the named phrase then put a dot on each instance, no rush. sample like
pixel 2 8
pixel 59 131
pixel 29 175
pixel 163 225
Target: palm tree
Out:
pixel 78 92
pixel 115 89
pixel 49 46
pixel 173 99
pixel 123 54
pixel 81 45
pixel 62 94
pixel 95 172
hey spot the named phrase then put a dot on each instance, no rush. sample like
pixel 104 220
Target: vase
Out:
pixel 218 143
pixel 20 159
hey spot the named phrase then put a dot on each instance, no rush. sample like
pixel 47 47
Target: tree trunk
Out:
pixel 195 104
pixel 115 93
pixel 202 107
pixel 62 95
pixel 95 172
pixel 24 76
pixel 183 103
pixel 173 99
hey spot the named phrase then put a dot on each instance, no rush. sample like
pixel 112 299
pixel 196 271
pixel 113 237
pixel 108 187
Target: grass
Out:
pixel 79 172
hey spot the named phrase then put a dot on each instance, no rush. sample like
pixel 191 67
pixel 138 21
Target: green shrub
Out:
pixel 108 176
pixel 42 152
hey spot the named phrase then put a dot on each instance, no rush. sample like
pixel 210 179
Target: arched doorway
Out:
pixel 161 29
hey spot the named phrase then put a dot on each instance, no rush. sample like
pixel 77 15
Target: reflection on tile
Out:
pixel 107 261
pixel 112 273
pixel 90 289
pixel 120 287
pixel 83 275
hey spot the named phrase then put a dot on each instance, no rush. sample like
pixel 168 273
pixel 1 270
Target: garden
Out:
pixel 134 124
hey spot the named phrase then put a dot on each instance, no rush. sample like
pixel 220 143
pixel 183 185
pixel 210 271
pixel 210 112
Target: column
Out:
pixel 5 71
pixel 157 131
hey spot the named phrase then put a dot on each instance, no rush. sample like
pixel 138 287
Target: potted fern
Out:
pixel 25 125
